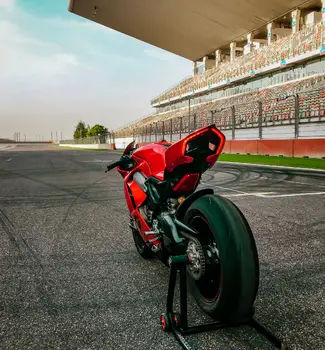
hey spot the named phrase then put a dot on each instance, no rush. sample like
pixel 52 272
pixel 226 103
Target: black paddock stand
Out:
pixel 178 322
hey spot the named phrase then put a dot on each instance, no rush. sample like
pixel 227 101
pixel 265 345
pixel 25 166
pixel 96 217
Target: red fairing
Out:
pixel 154 155
pixel 175 155
pixel 187 183
pixel 138 195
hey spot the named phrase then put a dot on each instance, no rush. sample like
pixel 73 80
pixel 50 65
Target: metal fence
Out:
pixel 101 139
pixel 305 107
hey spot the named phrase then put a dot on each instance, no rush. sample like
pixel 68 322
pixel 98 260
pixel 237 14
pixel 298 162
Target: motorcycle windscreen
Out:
pixel 203 145
pixel 129 148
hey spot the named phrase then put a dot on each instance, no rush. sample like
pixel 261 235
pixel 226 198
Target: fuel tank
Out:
pixel 154 156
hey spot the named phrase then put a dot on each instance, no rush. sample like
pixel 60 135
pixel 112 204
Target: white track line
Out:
pixel 265 194
pixel 292 195
pixel 279 167
pixel 242 193
pixel 294 182
pixel 258 194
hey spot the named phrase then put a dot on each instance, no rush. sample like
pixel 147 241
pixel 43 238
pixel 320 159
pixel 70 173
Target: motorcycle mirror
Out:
pixel 129 148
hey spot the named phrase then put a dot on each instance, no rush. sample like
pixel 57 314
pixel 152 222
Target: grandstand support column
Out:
pixel 269 28
pixel 212 116
pixel 209 62
pixel 194 68
pixel 233 122
pixel 249 46
pixel 189 114
pixel 171 130
pixel 180 127
pixel 296 116
pixel 232 51
pixel 295 23
pixel 163 130
pixel 219 56
pixel 260 113
pixel 156 131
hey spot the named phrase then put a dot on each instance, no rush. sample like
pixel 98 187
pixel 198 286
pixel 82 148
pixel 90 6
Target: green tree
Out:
pixel 98 130
pixel 80 131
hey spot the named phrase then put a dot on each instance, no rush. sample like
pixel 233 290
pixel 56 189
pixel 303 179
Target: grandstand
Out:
pixel 265 83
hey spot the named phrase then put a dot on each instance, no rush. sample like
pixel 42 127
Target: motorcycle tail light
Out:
pixel 212 146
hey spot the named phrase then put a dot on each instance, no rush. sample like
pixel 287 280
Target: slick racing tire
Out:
pixel 224 280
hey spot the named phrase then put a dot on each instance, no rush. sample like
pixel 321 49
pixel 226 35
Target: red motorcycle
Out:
pixel 169 218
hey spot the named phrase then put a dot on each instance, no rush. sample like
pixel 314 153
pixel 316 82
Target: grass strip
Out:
pixel 312 163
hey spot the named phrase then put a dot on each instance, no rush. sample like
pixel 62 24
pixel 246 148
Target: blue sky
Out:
pixel 57 68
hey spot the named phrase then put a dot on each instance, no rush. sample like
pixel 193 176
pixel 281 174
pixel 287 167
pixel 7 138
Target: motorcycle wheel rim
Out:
pixel 209 285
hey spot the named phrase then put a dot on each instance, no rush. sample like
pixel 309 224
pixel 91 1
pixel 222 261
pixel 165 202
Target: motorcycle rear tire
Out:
pixel 237 272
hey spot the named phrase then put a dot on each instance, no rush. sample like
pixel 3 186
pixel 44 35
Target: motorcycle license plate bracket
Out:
pixel 178 323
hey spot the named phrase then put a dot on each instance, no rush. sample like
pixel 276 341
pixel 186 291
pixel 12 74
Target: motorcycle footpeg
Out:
pixel 148 233
pixel 156 248
pixel 152 240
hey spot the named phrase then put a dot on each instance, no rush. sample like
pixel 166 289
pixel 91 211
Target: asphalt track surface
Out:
pixel 71 277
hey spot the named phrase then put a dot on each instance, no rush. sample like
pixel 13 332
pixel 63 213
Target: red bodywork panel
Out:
pixel 154 160
pixel 154 155
pixel 187 183
pixel 175 155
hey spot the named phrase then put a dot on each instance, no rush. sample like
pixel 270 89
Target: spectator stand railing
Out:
pixel 308 39
pixel 304 107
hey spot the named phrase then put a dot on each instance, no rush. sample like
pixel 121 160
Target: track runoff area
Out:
pixel 71 277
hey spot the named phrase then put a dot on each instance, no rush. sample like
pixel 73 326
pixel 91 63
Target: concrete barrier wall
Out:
pixel 312 148
pixel 121 143
pixel 245 134
pixel 279 132
pixel 311 130
pixel 91 145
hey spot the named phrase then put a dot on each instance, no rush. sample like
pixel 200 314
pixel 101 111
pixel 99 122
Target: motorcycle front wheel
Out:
pixel 223 270
pixel 140 245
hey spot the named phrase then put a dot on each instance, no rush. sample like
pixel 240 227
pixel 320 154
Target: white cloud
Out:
pixel 7 4
pixel 11 35
pixel 24 56
pixel 75 69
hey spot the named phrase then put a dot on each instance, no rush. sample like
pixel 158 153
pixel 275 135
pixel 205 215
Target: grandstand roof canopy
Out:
pixel 189 28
